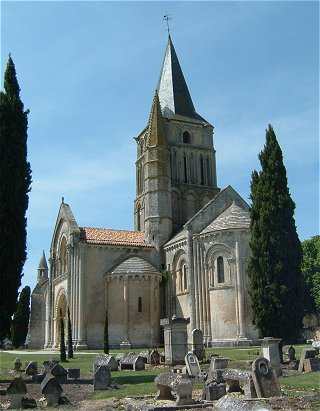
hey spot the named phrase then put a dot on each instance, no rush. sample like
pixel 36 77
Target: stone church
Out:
pixel 186 257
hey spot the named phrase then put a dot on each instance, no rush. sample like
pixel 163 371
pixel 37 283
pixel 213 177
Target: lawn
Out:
pixel 142 382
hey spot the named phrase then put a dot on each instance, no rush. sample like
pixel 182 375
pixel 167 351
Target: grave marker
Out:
pixel 102 378
pixel 265 379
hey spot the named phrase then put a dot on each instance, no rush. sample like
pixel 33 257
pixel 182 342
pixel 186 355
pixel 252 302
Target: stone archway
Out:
pixel 60 312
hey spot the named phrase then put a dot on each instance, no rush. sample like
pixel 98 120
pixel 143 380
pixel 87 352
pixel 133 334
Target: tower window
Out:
pixel 201 170
pixel 220 269
pixel 186 138
pixel 185 169
pixel 139 305
pixel 185 278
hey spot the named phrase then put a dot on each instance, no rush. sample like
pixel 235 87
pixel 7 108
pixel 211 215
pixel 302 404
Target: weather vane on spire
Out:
pixel 166 18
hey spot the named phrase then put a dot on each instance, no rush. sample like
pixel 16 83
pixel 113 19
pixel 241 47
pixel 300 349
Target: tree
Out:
pixel 63 355
pixel 70 342
pixel 106 335
pixel 274 266
pixel 311 274
pixel 20 322
pixel 15 181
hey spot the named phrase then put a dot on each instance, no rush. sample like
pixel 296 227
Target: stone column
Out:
pixel 82 338
pixel 151 310
pixel 196 282
pixel 191 278
pixel 201 307
pixel 240 293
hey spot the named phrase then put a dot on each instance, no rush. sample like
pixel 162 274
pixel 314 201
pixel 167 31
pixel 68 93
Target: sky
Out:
pixel 88 71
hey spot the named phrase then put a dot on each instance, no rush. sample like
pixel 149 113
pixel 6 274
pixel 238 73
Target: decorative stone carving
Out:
pixel 265 379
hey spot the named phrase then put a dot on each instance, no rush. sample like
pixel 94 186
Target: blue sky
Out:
pixel 88 71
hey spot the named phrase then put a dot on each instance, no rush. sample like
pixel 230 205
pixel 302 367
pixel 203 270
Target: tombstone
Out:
pixel 132 361
pixel 217 363
pixel 306 353
pixel 175 340
pixel 154 357
pixel 289 352
pixel 165 382
pixel 311 365
pixel 32 368
pixel 183 392
pixel 193 367
pixel 51 389
pixel 197 343
pixel 17 364
pixel 119 357
pixel 145 356
pixel 60 373
pixel 125 344
pixel 16 391
pixel 213 391
pixel 237 381
pixel 73 373
pixel 270 351
pixel 107 360
pixel 265 379
pixel 102 378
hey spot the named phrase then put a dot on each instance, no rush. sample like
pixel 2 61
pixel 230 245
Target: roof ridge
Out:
pixel 111 229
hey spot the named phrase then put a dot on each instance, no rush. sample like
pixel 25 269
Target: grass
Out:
pixel 142 382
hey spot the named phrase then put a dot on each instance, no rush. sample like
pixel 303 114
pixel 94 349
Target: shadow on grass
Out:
pixel 134 379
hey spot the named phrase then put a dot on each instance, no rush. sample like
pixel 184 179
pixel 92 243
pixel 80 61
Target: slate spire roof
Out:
pixel 156 134
pixel 43 262
pixel 173 91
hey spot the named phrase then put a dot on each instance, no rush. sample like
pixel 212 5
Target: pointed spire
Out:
pixel 43 262
pixel 173 91
pixel 156 134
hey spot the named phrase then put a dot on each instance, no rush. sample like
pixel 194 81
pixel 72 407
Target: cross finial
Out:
pixel 62 200
pixel 166 18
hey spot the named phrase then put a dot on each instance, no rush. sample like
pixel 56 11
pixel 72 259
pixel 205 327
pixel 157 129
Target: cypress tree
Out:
pixel 63 355
pixel 70 342
pixel 15 181
pixel 106 335
pixel 275 264
pixel 20 322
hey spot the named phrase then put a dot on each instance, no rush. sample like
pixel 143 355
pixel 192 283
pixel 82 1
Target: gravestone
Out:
pixel 289 352
pixel 132 361
pixel 16 391
pixel 107 360
pixel 306 353
pixel 60 373
pixel 17 364
pixel 213 391
pixel 102 378
pixel 270 351
pixel 165 382
pixel 265 379
pixel 51 389
pixel 145 356
pixel 175 339
pixel 217 363
pixel 32 368
pixel 197 343
pixel 125 344
pixel 193 367
pixel 311 365
pixel 154 357
pixel 183 392
pixel 73 373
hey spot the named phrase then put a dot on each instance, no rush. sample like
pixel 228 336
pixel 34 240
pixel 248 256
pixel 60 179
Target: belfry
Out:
pixel 187 231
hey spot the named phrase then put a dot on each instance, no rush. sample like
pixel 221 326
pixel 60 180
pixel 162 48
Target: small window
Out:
pixel 186 137
pixel 220 269
pixel 185 169
pixel 139 305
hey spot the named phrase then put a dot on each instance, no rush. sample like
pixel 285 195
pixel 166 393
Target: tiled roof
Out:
pixel 135 265
pixel 233 217
pixel 105 236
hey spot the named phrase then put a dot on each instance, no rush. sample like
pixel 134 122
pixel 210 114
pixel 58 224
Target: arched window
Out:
pixel 201 170
pixel 63 256
pixel 180 280
pixel 185 277
pixel 220 269
pixel 139 217
pixel 140 305
pixel 186 138
pixel 208 172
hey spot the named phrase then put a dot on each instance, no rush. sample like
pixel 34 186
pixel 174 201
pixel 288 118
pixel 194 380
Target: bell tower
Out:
pixel 187 155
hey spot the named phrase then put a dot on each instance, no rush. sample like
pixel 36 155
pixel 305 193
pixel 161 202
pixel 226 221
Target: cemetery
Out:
pixel 176 378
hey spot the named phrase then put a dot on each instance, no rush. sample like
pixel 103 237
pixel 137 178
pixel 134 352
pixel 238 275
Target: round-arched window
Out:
pixel 220 269
pixel 186 137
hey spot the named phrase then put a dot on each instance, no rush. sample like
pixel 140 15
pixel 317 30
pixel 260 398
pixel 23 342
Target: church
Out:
pixel 186 257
